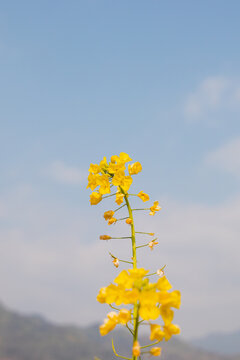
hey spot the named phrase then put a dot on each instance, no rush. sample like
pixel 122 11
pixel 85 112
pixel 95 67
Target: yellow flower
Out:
pixel 129 221
pixel 113 316
pixel 131 296
pixel 144 197
pixel 104 183
pixel 112 221
pixel 108 214
pixel 113 168
pixel 124 279
pixel 101 297
pixel 124 316
pixel 114 159
pixel 93 181
pixel 119 179
pixel 156 332
pixel 134 168
pixel 136 349
pixel 149 312
pixel 104 237
pixel 94 168
pixel 95 198
pixel 124 157
pixel 128 279
pixel 148 297
pixel 156 351
pixel 154 208
pixel 109 323
pixel 115 294
pixel 163 284
pixel 152 243
pixel 138 273
pixel 119 198
pixel 166 314
pixel 103 164
pixel 172 299
pixel 170 330
pixel 116 262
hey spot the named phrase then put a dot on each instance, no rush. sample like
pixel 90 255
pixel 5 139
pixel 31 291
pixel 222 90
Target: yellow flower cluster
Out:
pixel 154 300
pixel 141 299
pixel 113 319
pixel 105 174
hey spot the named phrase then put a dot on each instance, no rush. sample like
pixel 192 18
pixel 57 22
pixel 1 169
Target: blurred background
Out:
pixel 85 79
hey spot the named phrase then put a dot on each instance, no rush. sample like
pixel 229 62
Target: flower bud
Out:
pixel 104 237
pixel 136 349
pixel 116 262
pixel 129 221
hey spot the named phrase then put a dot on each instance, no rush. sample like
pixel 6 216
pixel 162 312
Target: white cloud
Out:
pixel 50 263
pixel 66 174
pixel 213 94
pixel 226 158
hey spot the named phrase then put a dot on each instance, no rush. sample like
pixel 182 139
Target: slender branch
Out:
pixel 107 196
pixel 143 347
pixel 123 237
pixel 141 209
pixel 129 329
pixel 146 233
pixel 113 307
pixel 119 207
pixel 123 357
pixel 151 274
pixel 137 247
pixel 125 261
pixel 145 244
pixel 128 262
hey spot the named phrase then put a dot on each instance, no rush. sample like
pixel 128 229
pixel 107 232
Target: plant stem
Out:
pixel 134 257
pixel 120 207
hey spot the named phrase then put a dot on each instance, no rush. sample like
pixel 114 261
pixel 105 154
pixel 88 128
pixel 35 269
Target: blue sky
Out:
pixel 83 79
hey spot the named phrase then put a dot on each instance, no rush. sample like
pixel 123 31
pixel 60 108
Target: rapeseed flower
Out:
pixel 119 198
pixel 95 198
pixel 136 351
pixel 108 214
pixel 104 237
pixel 143 196
pixel 134 168
pixel 152 243
pixel 155 351
pixel 131 288
pixel 154 208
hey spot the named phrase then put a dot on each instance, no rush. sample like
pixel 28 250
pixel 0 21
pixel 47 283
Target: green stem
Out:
pixel 141 232
pixel 134 257
pixel 128 262
pixel 122 357
pixel 107 196
pixel 120 207
pixel 122 237
pixel 146 346
pixel 137 247
pixel 141 209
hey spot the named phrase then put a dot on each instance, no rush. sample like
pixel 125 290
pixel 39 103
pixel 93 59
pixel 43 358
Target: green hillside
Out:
pixel 33 338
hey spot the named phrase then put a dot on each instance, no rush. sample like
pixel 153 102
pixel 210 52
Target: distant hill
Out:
pixel 222 343
pixel 33 338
